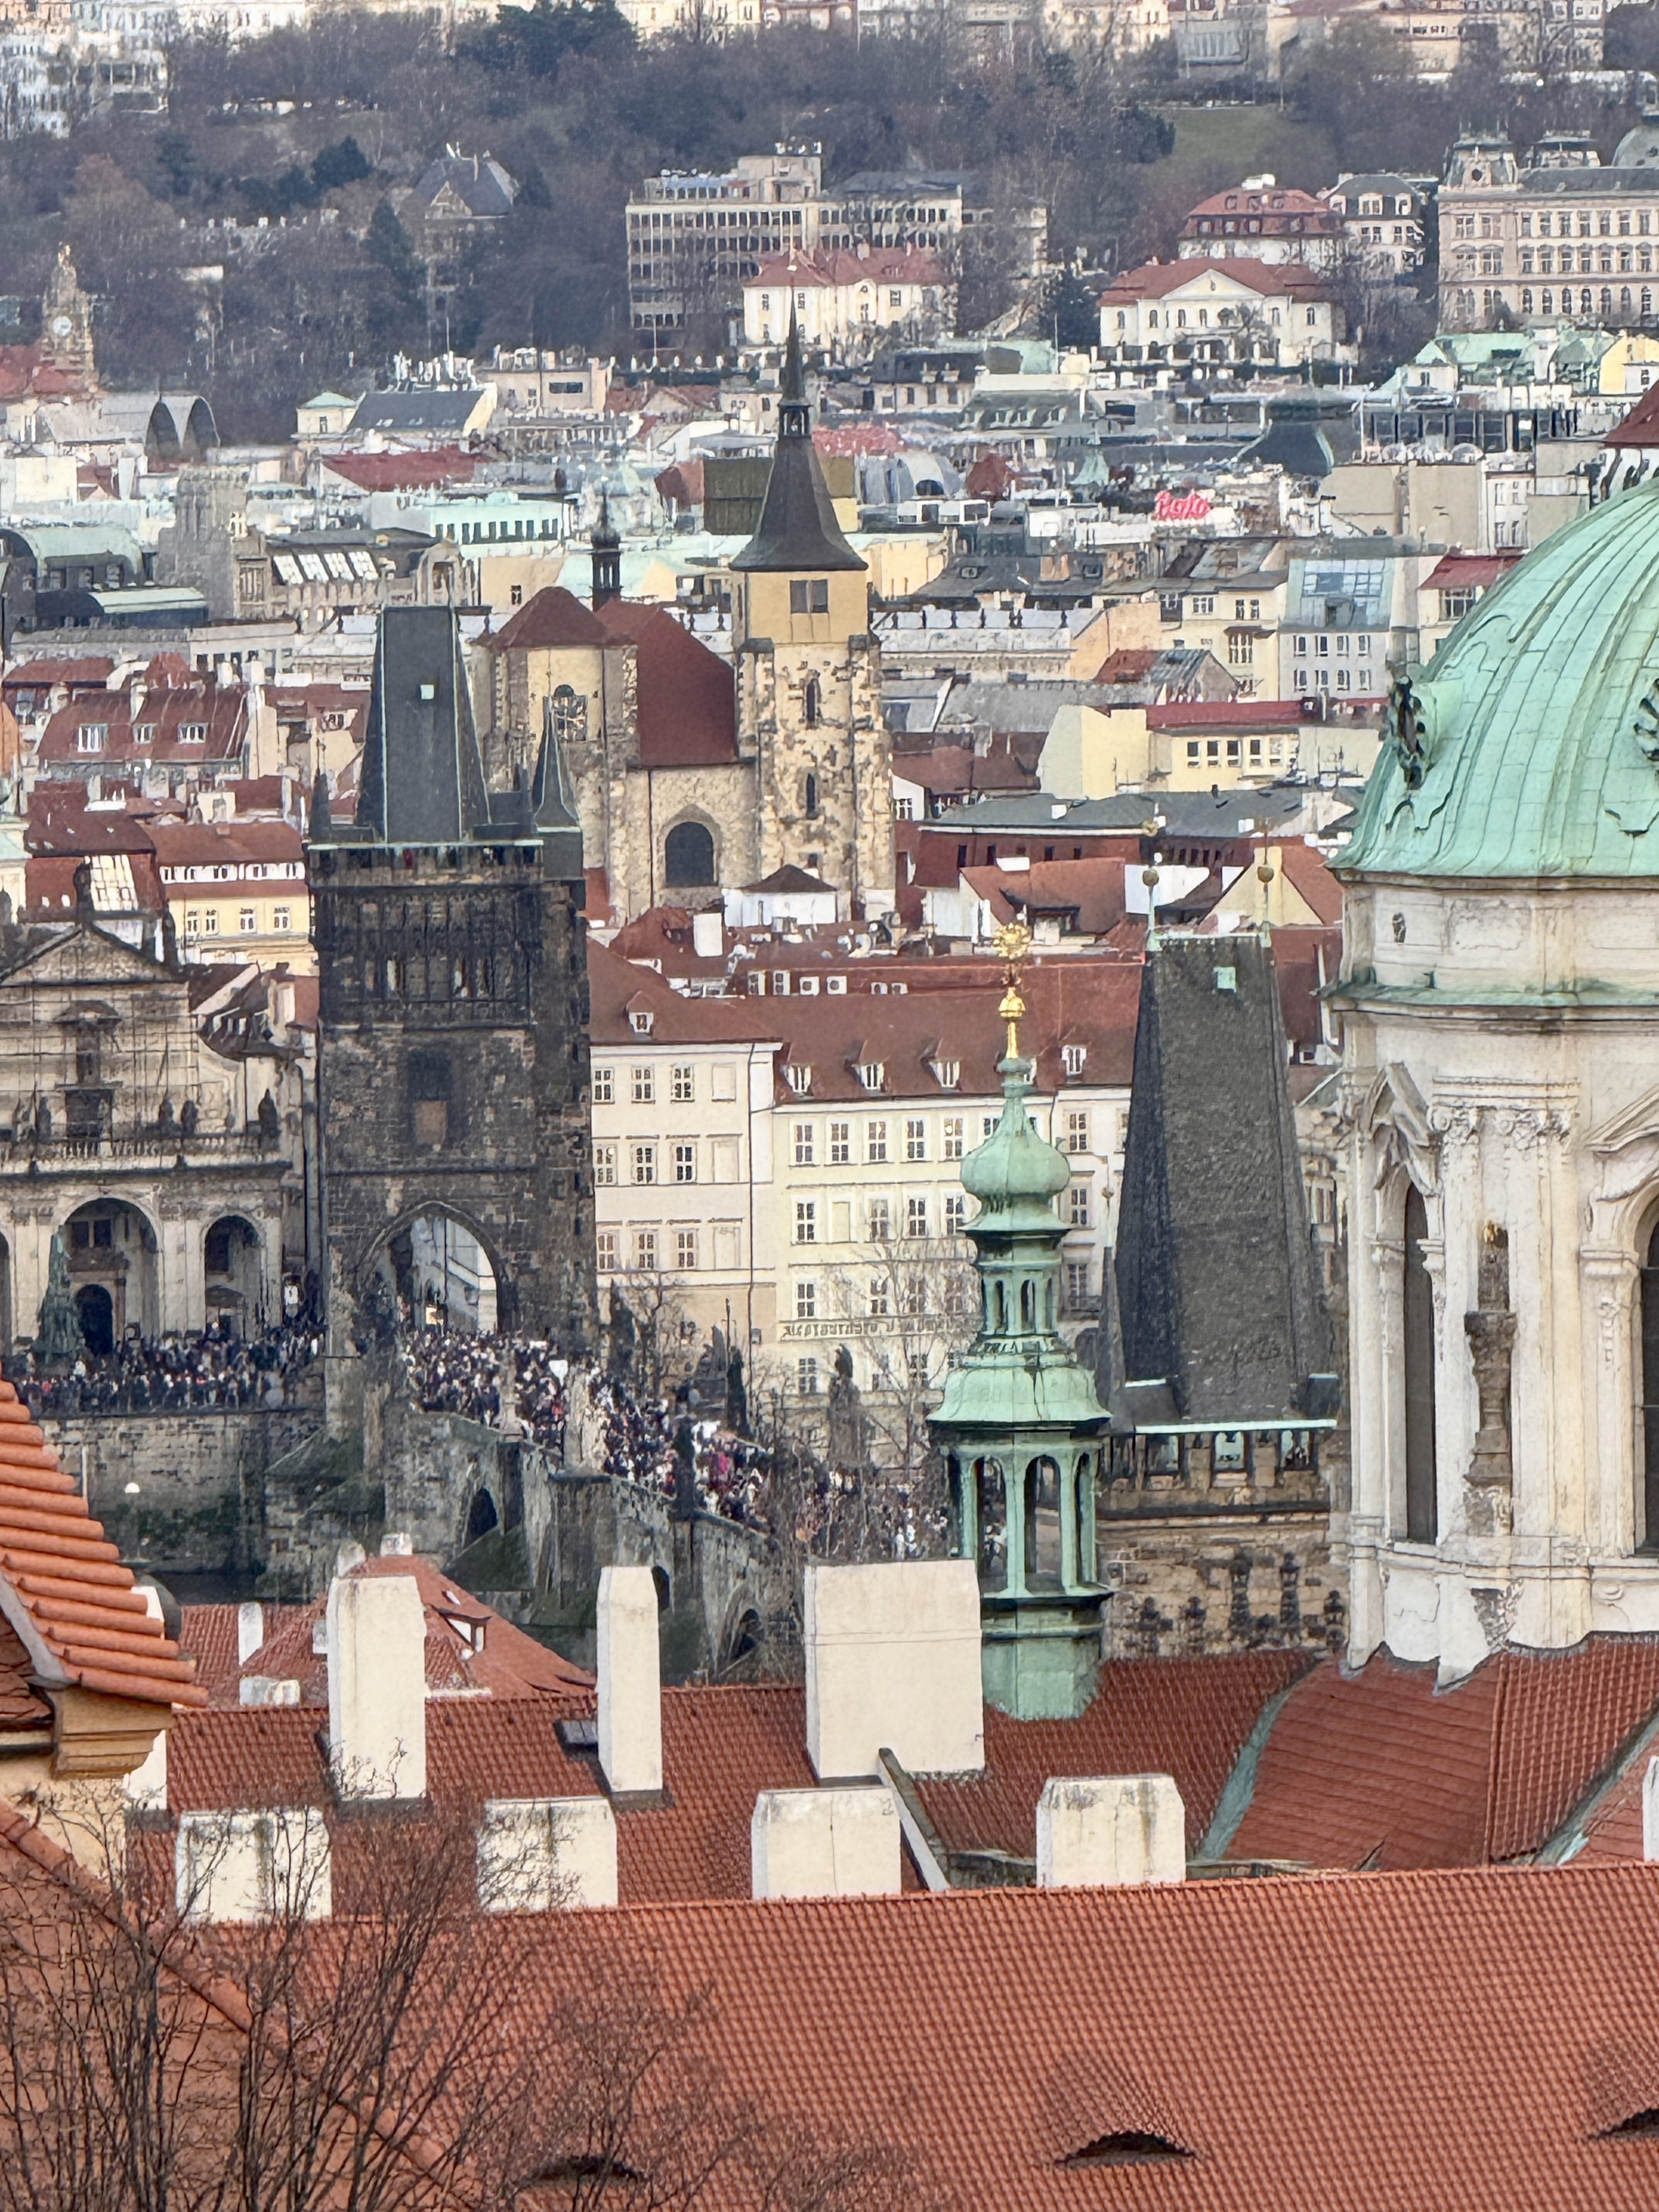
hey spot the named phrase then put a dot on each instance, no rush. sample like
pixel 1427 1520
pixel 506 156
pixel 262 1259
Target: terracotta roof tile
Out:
pixel 1186 1718
pixel 554 617
pixel 687 698
pixel 1448 2042
pixel 71 1602
pixel 510 1665
pixel 1383 1769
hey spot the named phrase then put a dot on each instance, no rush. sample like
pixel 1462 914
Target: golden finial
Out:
pixel 1013 943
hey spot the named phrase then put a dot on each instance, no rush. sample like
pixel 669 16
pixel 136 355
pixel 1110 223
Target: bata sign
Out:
pixel 1180 507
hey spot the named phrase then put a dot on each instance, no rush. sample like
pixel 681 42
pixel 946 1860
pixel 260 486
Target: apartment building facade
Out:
pixel 792 1166
pixel 1560 240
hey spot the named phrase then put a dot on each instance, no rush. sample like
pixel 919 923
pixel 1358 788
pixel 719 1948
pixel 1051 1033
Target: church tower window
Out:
pixel 1422 1508
pixel 689 855
pixel 811 709
pixel 811 804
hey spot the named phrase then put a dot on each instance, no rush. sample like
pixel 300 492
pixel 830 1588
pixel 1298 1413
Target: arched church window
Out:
pixel 1422 1505
pixel 1042 1520
pixel 689 855
pixel 1027 1304
pixel 1650 1529
pixel 809 708
pixel 569 714
pixel 993 1523
pixel 811 793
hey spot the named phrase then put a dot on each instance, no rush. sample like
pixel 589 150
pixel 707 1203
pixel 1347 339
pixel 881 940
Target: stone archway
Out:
pixel 439 1272
pixel 233 1267
pixel 112 1245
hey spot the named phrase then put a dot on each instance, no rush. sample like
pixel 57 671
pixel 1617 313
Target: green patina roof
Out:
pixel 1539 720
pixel 1016 1171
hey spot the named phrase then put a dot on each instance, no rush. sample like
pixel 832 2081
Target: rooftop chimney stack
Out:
pixel 630 1682
pixel 893 1664
pixel 250 1631
pixel 377 1686
pixel 1108 1832
pixel 824 1842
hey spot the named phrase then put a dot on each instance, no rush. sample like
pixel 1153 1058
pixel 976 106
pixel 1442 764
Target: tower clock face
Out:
pixel 61 326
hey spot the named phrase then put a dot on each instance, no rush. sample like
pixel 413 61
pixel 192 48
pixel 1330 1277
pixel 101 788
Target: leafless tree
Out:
pixel 404 2050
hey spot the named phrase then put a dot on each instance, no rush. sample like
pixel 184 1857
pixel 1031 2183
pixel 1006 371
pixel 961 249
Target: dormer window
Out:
pixel 947 1072
pixel 91 737
pixel 798 1074
pixel 640 1020
pixel 873 1074
pixel 1071 1057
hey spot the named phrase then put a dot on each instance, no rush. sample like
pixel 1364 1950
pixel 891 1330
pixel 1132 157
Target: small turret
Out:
pixel 606 550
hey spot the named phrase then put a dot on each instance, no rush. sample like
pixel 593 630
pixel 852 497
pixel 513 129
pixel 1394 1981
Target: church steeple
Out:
pixel 798 533
pixel 1021 1422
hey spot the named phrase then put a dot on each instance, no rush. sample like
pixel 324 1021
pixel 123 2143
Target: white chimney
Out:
pixel 377 1686
pixel 546 1854
pixel 630 1682
pixel 708 934
pixel 250 1631
pixel 1650 1811
pixel 893 1664
pixel 824 1842
pixel 1106 1831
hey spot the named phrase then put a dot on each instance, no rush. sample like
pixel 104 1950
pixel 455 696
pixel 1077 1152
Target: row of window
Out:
pixel 650 1249
pixel 878 1217
pixel 640 1083
pixel 1361 646
pixel 203 922
pixel 882 1139
pixel 882 1296
pixel 93 737
pixel 251 872
pixel 1206 752
pixel 1321 679
pixel 1204 604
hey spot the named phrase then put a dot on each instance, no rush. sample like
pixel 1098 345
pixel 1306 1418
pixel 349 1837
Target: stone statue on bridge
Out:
pixel 60 1341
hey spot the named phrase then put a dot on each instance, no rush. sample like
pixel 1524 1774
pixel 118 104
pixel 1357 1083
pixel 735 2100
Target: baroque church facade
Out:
pixel 1500 1120
pixel 693 776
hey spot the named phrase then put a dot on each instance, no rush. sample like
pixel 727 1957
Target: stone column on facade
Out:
pixel 1611 1280
pixel 1490 1328
pixel 29 1231
pixel 181 1272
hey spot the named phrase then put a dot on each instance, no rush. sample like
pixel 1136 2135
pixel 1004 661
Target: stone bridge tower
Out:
pixel 452 1068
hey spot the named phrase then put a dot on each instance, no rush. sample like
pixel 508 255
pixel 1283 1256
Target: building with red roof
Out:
pixel 1269 222
pixel 848 303
pixel 1236 310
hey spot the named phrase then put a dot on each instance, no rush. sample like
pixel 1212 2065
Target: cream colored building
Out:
pixel 682 1150
pixel 848 303
pixel 237 890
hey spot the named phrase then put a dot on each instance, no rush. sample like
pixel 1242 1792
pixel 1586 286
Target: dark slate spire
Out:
pixel 321 820
pixel 422 777
pixel 606 548
pixel 1219 1305
pixel 553 803
pixel 798 533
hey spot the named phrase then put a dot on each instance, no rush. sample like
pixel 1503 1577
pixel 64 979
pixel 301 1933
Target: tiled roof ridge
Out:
pixel 62 1587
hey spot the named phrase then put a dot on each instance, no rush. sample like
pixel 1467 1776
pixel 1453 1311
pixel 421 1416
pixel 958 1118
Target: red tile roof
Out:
pixel 402 471
pixel 554 617
pixel 510 1665
pixel 1187 1717
pixel 1383 1769
pixel 63 1586
pixel 91 672
pixel 1451 2042
pixel 1155 280
pixel 616 984
pixel 1199 715
pixel 1641 426
pixel 21 1705
pixel 223 714
pixel 687 699
pixel 200 844
pixel 825 267
pixel 1466 571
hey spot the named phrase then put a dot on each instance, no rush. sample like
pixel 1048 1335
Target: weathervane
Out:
pixel 1013 944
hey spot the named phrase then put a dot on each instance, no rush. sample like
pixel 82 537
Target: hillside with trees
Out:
pixel 247 241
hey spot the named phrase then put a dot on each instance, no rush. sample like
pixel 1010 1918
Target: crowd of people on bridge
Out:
pixel 175 1373
pixel 509 1380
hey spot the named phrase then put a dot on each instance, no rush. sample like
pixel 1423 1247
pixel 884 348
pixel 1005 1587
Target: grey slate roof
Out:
pixel 798 533
pixel 1185 813
pixel 1217 1296
pixel 438 410
pixel 423 778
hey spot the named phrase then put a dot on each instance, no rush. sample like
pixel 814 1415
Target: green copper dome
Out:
pixel 1015 1172
pixel 1529 746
